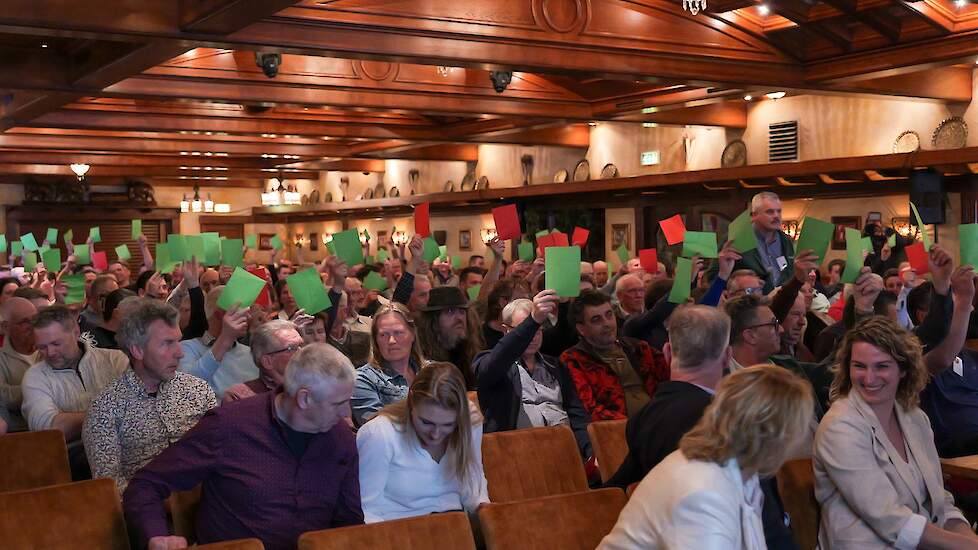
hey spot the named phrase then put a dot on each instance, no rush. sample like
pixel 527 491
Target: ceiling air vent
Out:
pixel 782 141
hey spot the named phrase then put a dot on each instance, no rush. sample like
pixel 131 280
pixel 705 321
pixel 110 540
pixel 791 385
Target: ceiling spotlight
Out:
pixel 763 9
pixel 960 3
pixel 80 169
pixel 500 80
pixel 44 45
pixel 775 95
pixel 592 124
pixel 748 97
pixel 269 63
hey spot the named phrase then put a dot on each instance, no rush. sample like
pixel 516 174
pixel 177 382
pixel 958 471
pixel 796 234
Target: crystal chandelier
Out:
pixel 694 6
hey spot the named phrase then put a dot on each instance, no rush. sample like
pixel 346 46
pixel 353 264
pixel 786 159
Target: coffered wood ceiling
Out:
pixel 169 90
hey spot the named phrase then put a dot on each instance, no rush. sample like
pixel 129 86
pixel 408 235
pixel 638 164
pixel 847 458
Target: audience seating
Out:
pixel 796 483
pixel 183 510
pixel 575 521
pixel 610 447
pixel 239 544
pixel 33 459
pixel 86 514
pixel 533 462
pixel 449 531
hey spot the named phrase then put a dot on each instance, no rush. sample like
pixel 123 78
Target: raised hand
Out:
pixel 544 305
pixel 726 259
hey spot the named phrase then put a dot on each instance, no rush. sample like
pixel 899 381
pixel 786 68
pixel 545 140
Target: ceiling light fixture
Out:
pixel 80 169
pixel 960 3
pixel 775 95
pixel 748 97
pixel 592 124
pixel 443 71
pixel 763 9
pixel 694 6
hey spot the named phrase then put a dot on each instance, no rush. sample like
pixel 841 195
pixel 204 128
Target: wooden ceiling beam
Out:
pixel 343 165
pixel 136 171
pixel 94 144
pixel 945 83
pixel 441 151
pixel 896 60
pixel 66 157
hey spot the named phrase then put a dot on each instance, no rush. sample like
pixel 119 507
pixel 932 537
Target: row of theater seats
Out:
pixel 537 485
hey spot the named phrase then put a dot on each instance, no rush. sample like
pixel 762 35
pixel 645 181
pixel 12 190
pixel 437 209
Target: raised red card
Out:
pixel 650 260
pixel 579 237
pixel 543 242
pixel 917 257
pixel 422 225
pixel 674 229
pixel 559 239
pixel 264 298
pixel 507 222
pixel 100 261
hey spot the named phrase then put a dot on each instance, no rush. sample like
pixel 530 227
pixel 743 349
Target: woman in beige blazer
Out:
pixel 877 473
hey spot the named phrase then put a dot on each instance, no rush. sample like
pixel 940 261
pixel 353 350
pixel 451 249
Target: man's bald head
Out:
pixel 18 313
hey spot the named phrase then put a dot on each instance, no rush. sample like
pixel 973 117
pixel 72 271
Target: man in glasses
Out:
pixel 272 346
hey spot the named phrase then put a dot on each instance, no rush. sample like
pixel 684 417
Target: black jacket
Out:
pixel 500 390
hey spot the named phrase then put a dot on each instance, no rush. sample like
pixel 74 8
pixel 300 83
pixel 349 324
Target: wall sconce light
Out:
pixel 488 234
pixel 364 237
pixel 903 227
pixel 399 238
pixel 184 204
pixel 790 228
pixel 298 240
pixel 327 238
pixel 222 208
pixel 196 205
pixel 80 169
pixel 209 204
pixel 292 197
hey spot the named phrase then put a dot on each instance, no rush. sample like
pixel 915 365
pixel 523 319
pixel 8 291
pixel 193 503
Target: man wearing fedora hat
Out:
pixel 446 333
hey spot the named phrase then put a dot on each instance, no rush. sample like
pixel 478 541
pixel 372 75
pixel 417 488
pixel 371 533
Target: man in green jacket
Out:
pixel 774 256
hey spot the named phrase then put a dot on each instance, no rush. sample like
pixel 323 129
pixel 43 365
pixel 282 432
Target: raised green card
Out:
pixel 29 242
pixel 741 232
pixel 563 270
pixel 854 256
pixel 52 259
pixel 242 290
pixel 307 290
pixel 891 240
pixel 76 288
pixel 375 281
pixel 212 248
pixel 52 236
pixel 95 234
pixel 83 254
pixel 922 229
pixel 195 248
pixel 232 253
pixel 347 246
pixel 276 242
pixel 623 254
pixel 30 260
pixel 3 243
pixel 815 236
pixel 251 240
pixel 122 252
pixel 968 236
pixel 700 243
pixel 473 292
pixel 68 236
pixel 164 258
pixel 16 248
pixel 177 246
pixel 382 255
pixel 456 262
pixel 682 281
pixel 443 252
pixel 526 251
pixel 137 229
pixel 431 251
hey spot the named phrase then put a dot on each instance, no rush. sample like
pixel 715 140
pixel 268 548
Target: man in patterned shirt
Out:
pixel 152 404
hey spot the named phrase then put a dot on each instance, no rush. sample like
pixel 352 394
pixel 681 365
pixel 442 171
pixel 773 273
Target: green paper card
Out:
pixel 195 248
pixel 623 254
pixel 232 253
pixel 52 236
pixel 866 244
pixel 52 259
pixel 16 248
pixel 122 252
pixel 68 236
pixel 431 251
pixel 368 259
pixel 854 256
pixel 542 233
pixel 473 292
pixel 212 248
pixel 177 246
pixel 374 281
pixel 891 241
pixel 243 288
pixel 164 258
pixel 921 227
pixel 44 248
pixel 28 242
pixel 681 283
pixel 95 234
pixel 276 242
pixel 83 254
pixel 251 241
pixel 741 232
pixel 366 235
pixel 308 290
pixel 137 229
pixel 816 236
pixel 443 252
pixel 456 262
pixel 382 255
pixel 968 235
pixel 563 270
pixel 347 246
pixel 330 248
pixel 76 288
pixel 3 243
pixel 526 252
pixel 703 243
pixel 30 261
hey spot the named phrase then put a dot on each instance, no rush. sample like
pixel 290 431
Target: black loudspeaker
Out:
pixel 927 193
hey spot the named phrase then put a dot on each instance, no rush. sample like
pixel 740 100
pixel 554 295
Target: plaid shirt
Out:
pixel 597 384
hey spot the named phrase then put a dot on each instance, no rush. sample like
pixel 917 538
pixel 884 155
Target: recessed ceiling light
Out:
pixel 44 45
pixel 763 9
pixel 775 95
pixel 748 97
pixel 592 123
pixel 960 3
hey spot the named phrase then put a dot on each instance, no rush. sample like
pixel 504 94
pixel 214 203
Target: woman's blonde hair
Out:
pixel 757 416
pixel 441 384
pixel 898 343
pixel 397 310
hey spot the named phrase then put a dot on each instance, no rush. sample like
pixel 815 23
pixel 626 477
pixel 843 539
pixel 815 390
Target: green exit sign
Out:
pixel 650 158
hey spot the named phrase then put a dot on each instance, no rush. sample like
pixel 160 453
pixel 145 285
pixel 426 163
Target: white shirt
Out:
pixel 399 479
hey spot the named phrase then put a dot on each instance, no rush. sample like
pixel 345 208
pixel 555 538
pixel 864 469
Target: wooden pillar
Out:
pixel 969 201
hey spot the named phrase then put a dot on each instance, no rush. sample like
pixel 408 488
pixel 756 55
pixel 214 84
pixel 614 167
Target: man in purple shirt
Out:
pixel 272 466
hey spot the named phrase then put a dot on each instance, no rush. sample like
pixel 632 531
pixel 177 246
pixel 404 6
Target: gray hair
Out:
pixel 756 200
pixel 139 314
pixel 511 308
pixel 315 366
pixel 265 337
pixel 210 302
pixel 624 279
pixel 697 334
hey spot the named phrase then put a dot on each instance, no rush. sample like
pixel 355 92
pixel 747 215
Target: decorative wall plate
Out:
pixel 468 181
pixel 394 192
pixel 304 200
pixel 951 133
pixel 560 176
pixel 368 194
pixel 609 171
pixel 379 191
pixel 734 154
pixel 907 142
pixel 314 197
pixel 582 172
pixel 482 183
pixel 328 197
pixel 449 186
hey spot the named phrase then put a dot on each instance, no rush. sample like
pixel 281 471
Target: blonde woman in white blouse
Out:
pixel 423 455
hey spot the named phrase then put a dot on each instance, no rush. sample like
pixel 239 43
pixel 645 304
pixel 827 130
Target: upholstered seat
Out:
pixel 238 544
pixel 33 459
pixel 609 444
pixel 86 514
pixel 532 462
pixel 796 483
pixel 575 521
pixel 449 531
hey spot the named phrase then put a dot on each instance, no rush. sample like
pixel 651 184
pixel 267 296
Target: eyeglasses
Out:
pixel 291 349
pixel 754 290
pixel 773 323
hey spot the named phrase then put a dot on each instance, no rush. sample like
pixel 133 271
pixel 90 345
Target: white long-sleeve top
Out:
pixel 399 479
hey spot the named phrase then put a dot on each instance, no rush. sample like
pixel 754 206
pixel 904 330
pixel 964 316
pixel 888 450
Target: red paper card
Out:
pixel 545 241
pixel 264 298
pixel 100 261
pixel 507 222
pixel 421 220
pixel 580 236
pixel 650 260
pixel 559 239
pixel 917 257
pixel 674 229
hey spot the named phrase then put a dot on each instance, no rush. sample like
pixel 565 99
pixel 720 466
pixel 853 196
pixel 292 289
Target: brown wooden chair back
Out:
pixel 796 483
pixel 575 521
pixel 610 447
pixel 533 462
pixel 238 544
pixel 29 460
pixel 449 531
pixel 183 510
pixel 87 514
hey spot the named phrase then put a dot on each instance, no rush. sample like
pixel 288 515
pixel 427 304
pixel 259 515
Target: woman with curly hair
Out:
pixel 877 473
